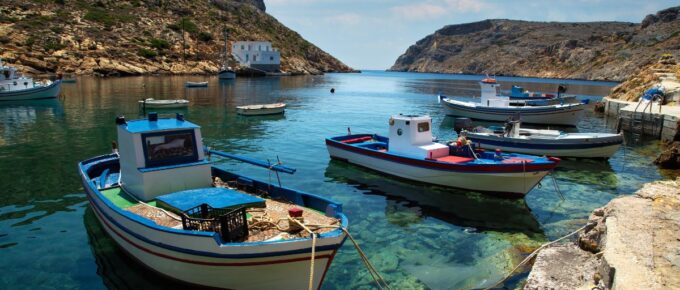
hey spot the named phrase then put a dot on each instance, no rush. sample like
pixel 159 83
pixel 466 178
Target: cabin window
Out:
pixel 169 148
pixel 423 127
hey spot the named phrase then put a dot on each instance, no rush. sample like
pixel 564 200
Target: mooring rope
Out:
pixel 380 280
pixel 311 264
pixel 528 258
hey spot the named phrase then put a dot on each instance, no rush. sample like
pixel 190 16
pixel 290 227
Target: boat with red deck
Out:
pixel 411 153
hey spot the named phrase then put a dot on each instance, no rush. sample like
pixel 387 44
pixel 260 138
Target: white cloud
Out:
pixel 418 11
pixel 346 19
pixel 437 8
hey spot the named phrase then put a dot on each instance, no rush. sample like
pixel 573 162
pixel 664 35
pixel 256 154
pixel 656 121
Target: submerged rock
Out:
pixel 670 157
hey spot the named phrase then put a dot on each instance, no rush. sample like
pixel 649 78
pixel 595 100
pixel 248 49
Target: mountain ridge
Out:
pixel 598 50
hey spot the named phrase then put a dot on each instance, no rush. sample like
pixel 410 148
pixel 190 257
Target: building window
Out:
pixel 423 127
pixel 271 58
pixel 247 57
pixel 242 47
pixel 254 57
pixel 259 48
pixel 250 47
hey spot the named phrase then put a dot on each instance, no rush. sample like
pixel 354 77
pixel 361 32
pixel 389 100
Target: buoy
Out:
pixel 332 90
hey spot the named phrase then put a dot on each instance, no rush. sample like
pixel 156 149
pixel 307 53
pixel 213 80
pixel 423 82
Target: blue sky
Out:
pixel 371 34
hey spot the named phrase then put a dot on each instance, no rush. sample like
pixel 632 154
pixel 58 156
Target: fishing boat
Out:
pixel 14 87
pixel 410 153
pixel 556 143
pixel 226 72
pixel 498 108
pixel 196 84
pixel 151 103
pixel 164 203
pixel 262 109
pixel 521 97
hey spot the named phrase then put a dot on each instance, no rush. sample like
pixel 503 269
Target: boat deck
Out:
pixel 264 224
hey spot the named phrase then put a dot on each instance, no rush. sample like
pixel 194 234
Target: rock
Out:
pixel 562 267
pixel 670 156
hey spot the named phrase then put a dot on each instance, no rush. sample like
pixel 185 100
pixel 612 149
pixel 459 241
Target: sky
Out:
pixel 372 34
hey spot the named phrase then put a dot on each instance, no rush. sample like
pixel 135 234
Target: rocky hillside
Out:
pixel 592 50
pixel 664 72
pixel 117 37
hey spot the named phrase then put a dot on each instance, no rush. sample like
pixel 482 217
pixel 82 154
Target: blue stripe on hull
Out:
pixel 540 146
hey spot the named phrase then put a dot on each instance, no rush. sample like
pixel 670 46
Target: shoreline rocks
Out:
pixel 631 243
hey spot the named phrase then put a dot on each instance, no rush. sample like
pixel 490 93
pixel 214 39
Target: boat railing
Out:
pixel 277 167
pixel 230 224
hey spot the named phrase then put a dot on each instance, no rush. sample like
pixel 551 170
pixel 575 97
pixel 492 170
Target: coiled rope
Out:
pixel 528 258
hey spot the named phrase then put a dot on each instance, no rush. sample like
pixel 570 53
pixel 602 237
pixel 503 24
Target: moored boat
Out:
pixel 498 108
pixel 165 204
pixel 410 153
pixel 556 143
pixel 262 109
pixel 196 84
pixel 18 88
pixel 151 103
pixel 226 72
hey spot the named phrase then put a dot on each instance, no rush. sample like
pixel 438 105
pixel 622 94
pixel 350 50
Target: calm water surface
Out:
pixel 418 236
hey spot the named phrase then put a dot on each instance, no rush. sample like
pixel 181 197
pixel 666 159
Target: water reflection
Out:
pixel 407 202
pixel 16 116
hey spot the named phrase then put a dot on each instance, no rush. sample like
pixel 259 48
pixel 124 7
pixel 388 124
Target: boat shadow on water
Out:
pixel 457 207
pixel 117 269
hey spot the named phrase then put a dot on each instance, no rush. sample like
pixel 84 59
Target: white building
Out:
pixel 257 54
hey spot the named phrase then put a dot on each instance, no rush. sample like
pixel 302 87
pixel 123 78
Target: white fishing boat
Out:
pixel 410 153
pixel 164 203
pixel 151 103
pixel 196 84
pixel 226 72
pixel 14 87
pixel 262 109
pixel 498 108
pixel 556 143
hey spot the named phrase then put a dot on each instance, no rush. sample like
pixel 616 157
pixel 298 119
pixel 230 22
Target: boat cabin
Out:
pixel 11 81
pixel 490 94
pixel 161 156
pixel 412 135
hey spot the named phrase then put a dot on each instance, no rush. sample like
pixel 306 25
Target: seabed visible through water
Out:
pixel 418 236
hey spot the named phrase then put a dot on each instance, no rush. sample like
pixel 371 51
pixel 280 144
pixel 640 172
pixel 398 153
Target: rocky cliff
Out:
pixel 592 50
pixel 110 37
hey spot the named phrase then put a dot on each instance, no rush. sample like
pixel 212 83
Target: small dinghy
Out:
pixel 410 153
pixel 498 108
pixel 152 103
pixel 165 204
pixel 546 142
pixel 263 109
pixel 196 84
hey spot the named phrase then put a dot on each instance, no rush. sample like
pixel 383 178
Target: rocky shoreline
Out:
pixel 633 242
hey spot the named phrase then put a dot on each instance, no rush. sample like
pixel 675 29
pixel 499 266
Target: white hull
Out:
pixel 516 183
pixel 46 92
pixel 227 75
pixel 597 152
pixel 255 110
pixel 164 104
pixel 289 271
pixel 568 115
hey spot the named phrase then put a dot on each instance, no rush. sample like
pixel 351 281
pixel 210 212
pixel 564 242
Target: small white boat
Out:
pixel 196 84
pixel 410 153
pixel 263 109
pixel 18 88
pixel 556 143
pixel 152 103
pixel 498 108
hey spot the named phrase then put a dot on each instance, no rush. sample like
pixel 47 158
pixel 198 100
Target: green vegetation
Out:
pixel 205 36
pixel 147 53
pixel 53 44
pixel 159 44
pixel 674 34
pixel 184 24
pixel 57 29
pixel 30 41
pixel 108 18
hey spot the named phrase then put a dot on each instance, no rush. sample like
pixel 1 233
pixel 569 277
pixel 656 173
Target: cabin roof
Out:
pixel 163 124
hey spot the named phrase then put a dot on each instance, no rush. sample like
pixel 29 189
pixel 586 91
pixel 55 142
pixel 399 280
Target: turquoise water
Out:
pixel 418 236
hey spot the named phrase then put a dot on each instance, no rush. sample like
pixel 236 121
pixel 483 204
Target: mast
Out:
pixel 224 60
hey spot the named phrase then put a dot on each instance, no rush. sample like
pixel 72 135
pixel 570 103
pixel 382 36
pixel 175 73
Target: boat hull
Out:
pixel 46 92
pixel 151 105
pixel 557 148
pixel 515 184
pixel 262 111
pixel 568 115
pixel 226 75
pixel 196 85
pixel 200 258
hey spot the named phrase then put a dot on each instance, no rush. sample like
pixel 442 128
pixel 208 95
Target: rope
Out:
pixel 524 175
pixel 379 280
pixel 311 264
pixel 528 258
